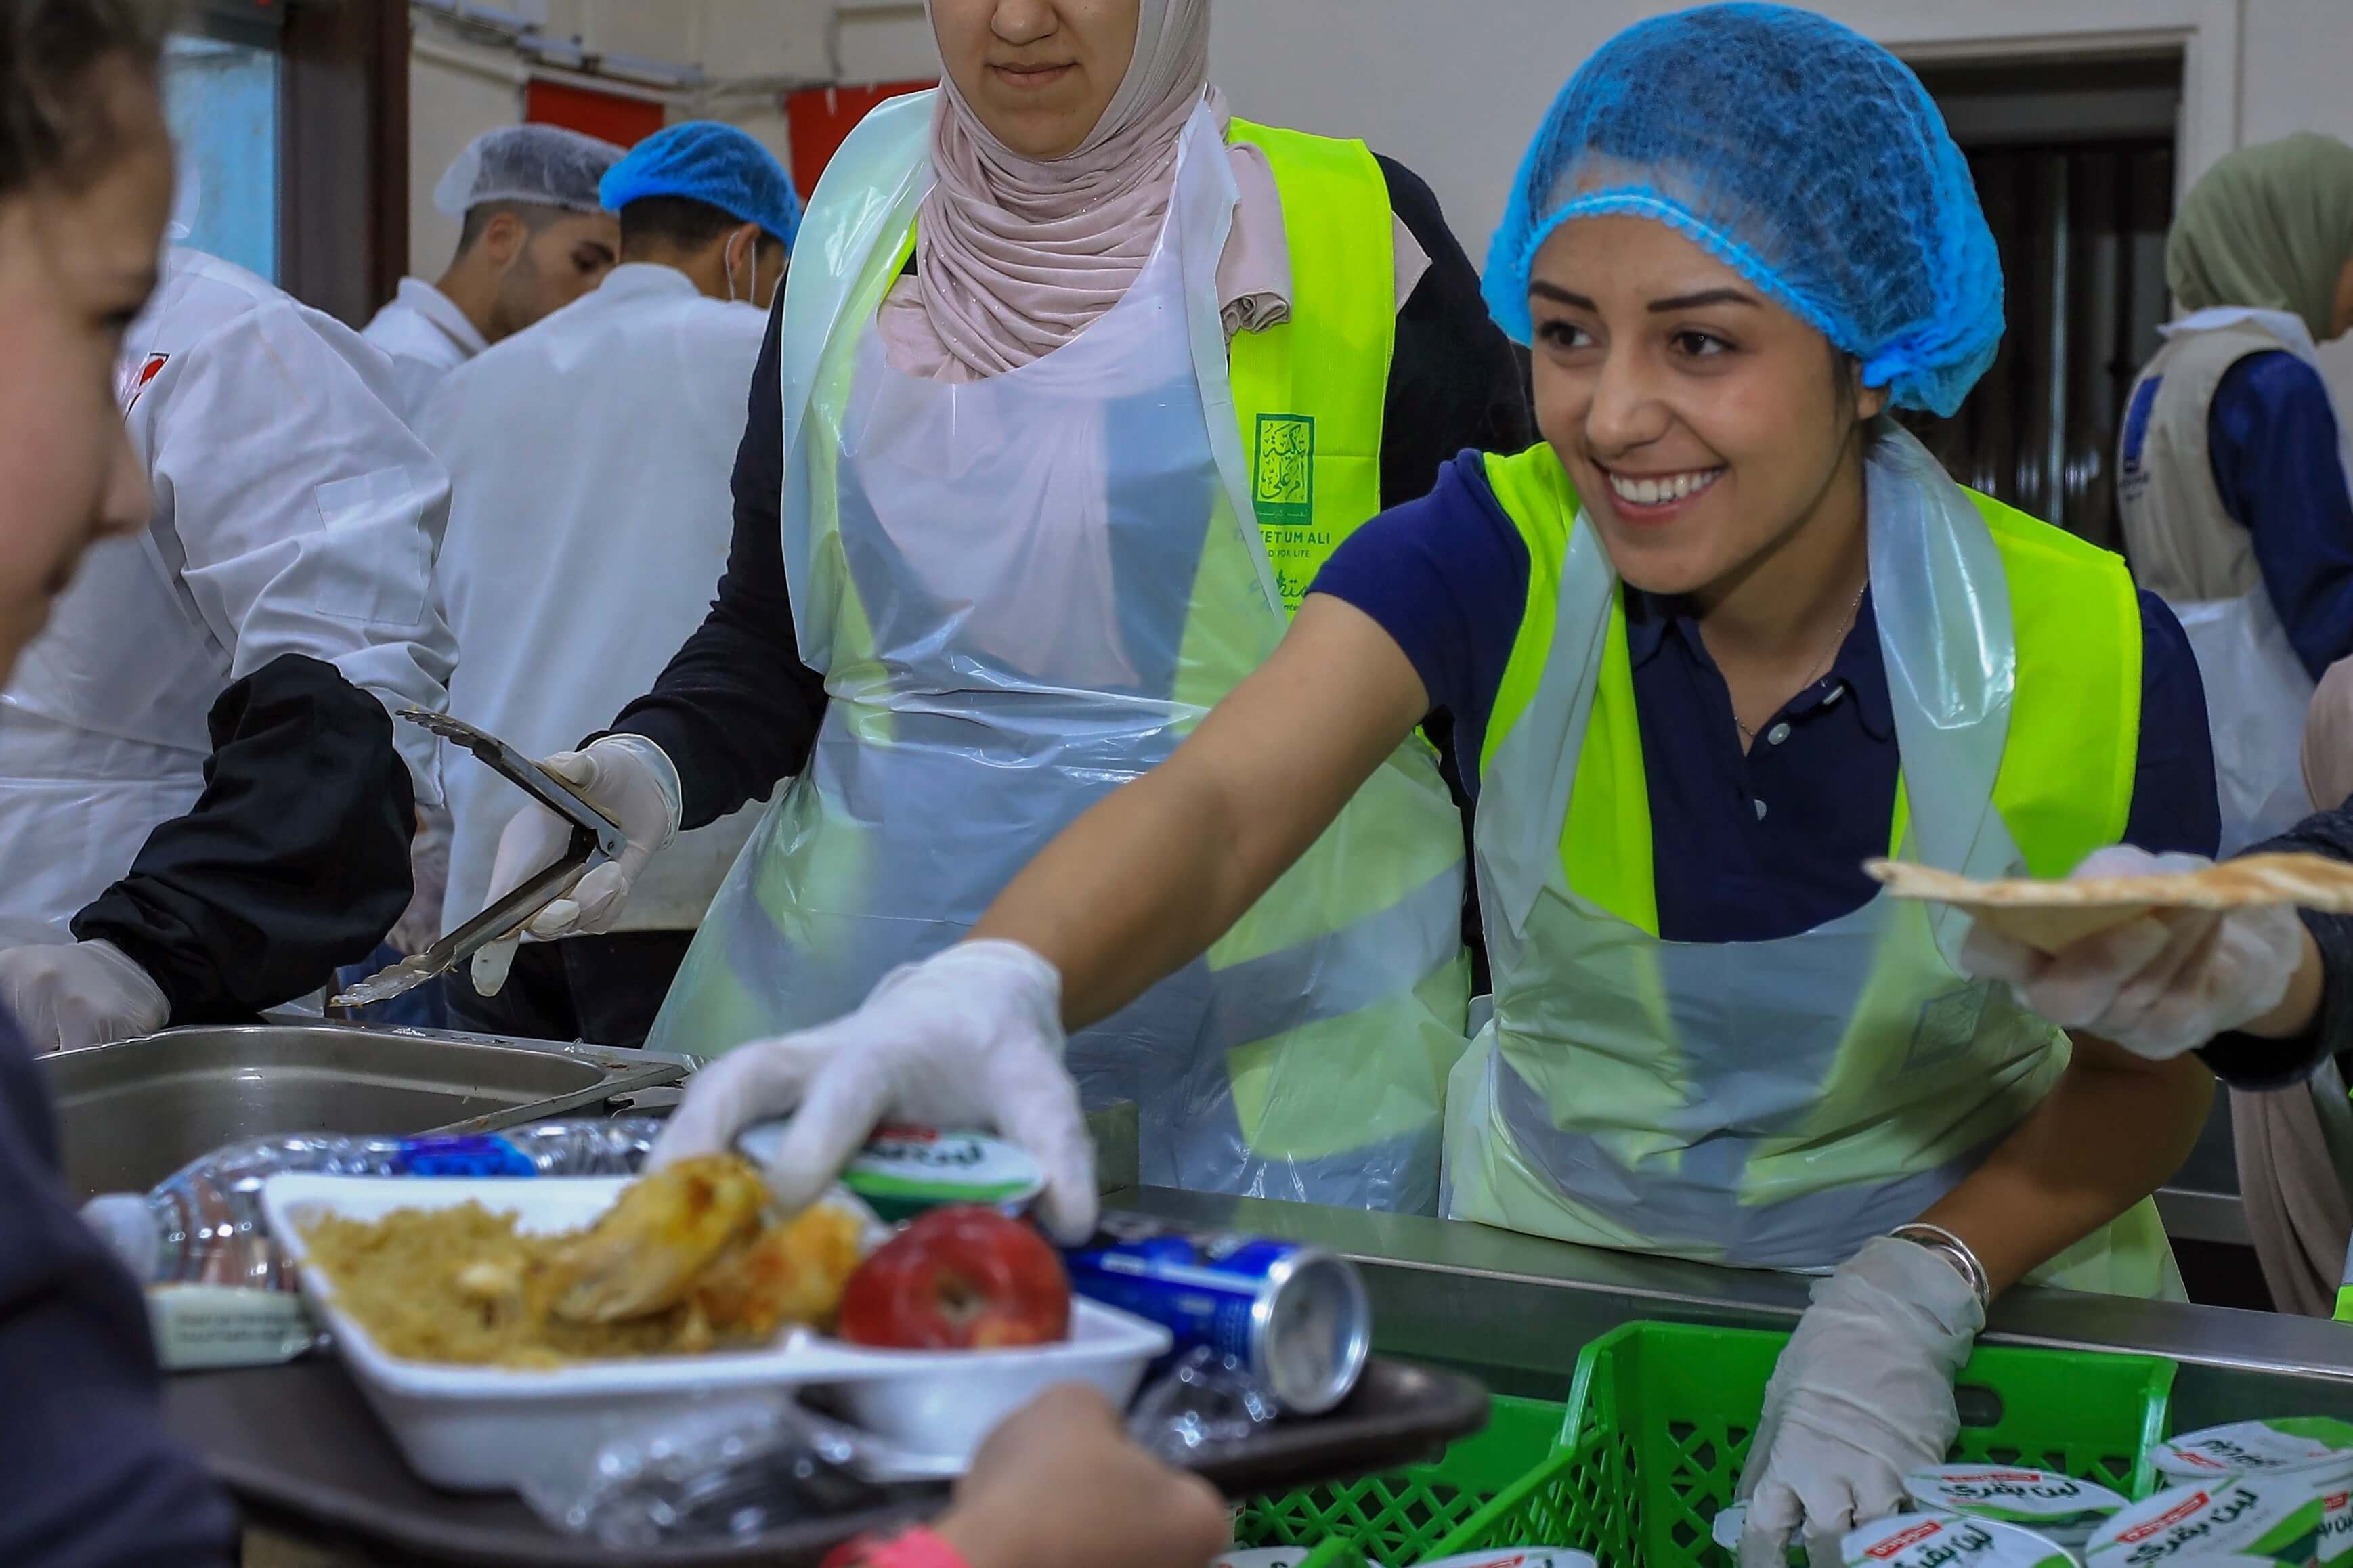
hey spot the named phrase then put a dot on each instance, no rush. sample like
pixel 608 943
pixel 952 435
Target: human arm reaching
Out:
pixel 1130 892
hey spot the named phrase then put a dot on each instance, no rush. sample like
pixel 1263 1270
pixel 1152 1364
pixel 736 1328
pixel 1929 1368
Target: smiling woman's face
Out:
pixel 1701 423
pixel 1038 73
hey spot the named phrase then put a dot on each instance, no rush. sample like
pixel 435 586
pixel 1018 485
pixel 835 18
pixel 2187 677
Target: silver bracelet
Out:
pixel 1953 1250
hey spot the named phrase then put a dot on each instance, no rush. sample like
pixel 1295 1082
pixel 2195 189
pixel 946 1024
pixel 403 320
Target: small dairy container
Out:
pixel 1949 1540
pixel 2276 1517
pixel 2289 1443
pixel 2057 1507
pixel 902 1172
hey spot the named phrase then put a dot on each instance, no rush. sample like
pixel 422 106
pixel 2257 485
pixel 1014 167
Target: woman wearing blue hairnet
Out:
pixel 1726 635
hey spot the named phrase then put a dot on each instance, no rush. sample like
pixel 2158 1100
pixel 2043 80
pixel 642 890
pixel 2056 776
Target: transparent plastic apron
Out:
pixel 1036 586
pixel 1768 1104
pixel 2257 690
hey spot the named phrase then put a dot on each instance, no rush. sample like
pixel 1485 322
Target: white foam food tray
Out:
pixel 484 1428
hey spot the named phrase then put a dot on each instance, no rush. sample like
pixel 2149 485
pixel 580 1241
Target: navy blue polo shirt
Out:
pixel 2272 443
pixel 1749 845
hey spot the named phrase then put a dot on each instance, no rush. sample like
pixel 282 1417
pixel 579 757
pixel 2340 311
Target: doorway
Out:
pixel 2073 162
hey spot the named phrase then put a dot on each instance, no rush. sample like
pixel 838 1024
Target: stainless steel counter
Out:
pixel 130 1113
pixel 1515 1309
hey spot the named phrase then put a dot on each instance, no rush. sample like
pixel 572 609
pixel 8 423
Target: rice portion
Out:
pixel 463 1286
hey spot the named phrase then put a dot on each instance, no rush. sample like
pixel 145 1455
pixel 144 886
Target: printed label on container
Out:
pixel 1518 1557
pixel 2336 1529
pixel 205 1326
pixel 1265 1557
pixel 464 1156
pixel 2276 1517
pixel 1942 1540
pixel 904 1170
pixel 2256 1448
pixel 2042 1500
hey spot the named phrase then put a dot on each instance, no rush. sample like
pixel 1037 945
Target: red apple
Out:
pixel 959 1278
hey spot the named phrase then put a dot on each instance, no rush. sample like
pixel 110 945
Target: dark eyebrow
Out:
pixel 1694 301
pixel 1656 307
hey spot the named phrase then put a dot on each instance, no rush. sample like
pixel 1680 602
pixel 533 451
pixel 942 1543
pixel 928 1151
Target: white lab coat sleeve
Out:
pixel 306 515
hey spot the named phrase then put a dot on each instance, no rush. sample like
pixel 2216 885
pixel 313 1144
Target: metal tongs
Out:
pixel 596 839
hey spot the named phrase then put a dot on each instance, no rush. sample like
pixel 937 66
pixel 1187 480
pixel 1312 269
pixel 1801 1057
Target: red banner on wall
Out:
pixel 620 119
pixel 821 117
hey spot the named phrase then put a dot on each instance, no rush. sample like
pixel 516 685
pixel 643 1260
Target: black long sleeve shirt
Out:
pixel 2249 1061
pixel 293 860
pixel 737 710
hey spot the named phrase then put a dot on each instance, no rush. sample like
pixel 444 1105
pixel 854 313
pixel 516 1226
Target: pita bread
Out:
pixel 2051 915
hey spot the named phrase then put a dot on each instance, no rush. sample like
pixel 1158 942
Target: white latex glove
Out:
pixel 971 1038
pixel 420 925
pixel 2159 985
pixel 85 994
pixel 629 779
pixel 1861 1396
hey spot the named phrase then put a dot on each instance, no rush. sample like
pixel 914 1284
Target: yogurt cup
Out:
pixel 2291 1444
pixel 2336 1547
pixel 1949 1540
pixel 904 1171
pixel 1518 1557
pixel 2276 1517
pixel 1265 1557
pixel 2057 1507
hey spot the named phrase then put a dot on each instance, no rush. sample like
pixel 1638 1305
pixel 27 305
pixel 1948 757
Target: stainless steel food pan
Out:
pixel 131 1114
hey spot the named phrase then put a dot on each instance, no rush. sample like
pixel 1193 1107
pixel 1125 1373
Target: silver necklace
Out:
pixel 1853 612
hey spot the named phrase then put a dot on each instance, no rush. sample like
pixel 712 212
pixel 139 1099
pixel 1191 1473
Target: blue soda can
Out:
pixel 1296 1316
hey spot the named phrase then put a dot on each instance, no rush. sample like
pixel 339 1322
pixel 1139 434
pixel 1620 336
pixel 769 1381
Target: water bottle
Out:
pixel 205 1224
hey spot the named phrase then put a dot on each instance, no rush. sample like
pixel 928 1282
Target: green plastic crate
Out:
pixel 1655 1436
pixel 1395 1518
pixel 1661 1415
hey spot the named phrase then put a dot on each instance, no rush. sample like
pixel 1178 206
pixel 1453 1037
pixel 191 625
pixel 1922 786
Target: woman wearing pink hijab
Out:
pixel 1077 382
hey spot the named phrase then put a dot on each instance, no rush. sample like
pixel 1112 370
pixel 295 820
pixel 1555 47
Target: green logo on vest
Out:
pixel 1283 475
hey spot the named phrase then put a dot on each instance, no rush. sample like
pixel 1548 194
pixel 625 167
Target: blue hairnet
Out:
pixel 716 165
pixel 1803 156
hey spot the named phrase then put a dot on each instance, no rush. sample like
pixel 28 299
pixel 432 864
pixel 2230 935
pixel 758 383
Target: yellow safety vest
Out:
pixel 1332 1012
pixel 2066 780
pixel 1613 1105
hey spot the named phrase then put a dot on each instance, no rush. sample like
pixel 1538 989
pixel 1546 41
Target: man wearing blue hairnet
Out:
pixel 591 457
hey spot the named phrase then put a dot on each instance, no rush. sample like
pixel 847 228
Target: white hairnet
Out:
pixel 544 165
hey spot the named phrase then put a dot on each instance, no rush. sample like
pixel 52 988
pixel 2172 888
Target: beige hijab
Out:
pixel 1016 256
pixel 2329 738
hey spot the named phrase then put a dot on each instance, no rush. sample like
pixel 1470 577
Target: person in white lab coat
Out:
pixel 534 239
pixel 204 807
pixel 590 458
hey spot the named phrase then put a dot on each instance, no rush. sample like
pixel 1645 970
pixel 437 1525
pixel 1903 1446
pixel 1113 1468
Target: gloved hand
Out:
pixel 2159 985
pixel 1861 1396
pixel 85 994
pixel 971 1038
pixel 629 779
pixel 419 926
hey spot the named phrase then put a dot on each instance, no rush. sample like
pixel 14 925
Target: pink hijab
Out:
pixel 1016 256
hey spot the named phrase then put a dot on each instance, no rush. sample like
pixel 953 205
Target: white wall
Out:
pixel 458 90
pixel 1454 87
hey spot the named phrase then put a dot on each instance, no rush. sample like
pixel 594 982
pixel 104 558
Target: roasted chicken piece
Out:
pixel 648 1251
pixel 793 1272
